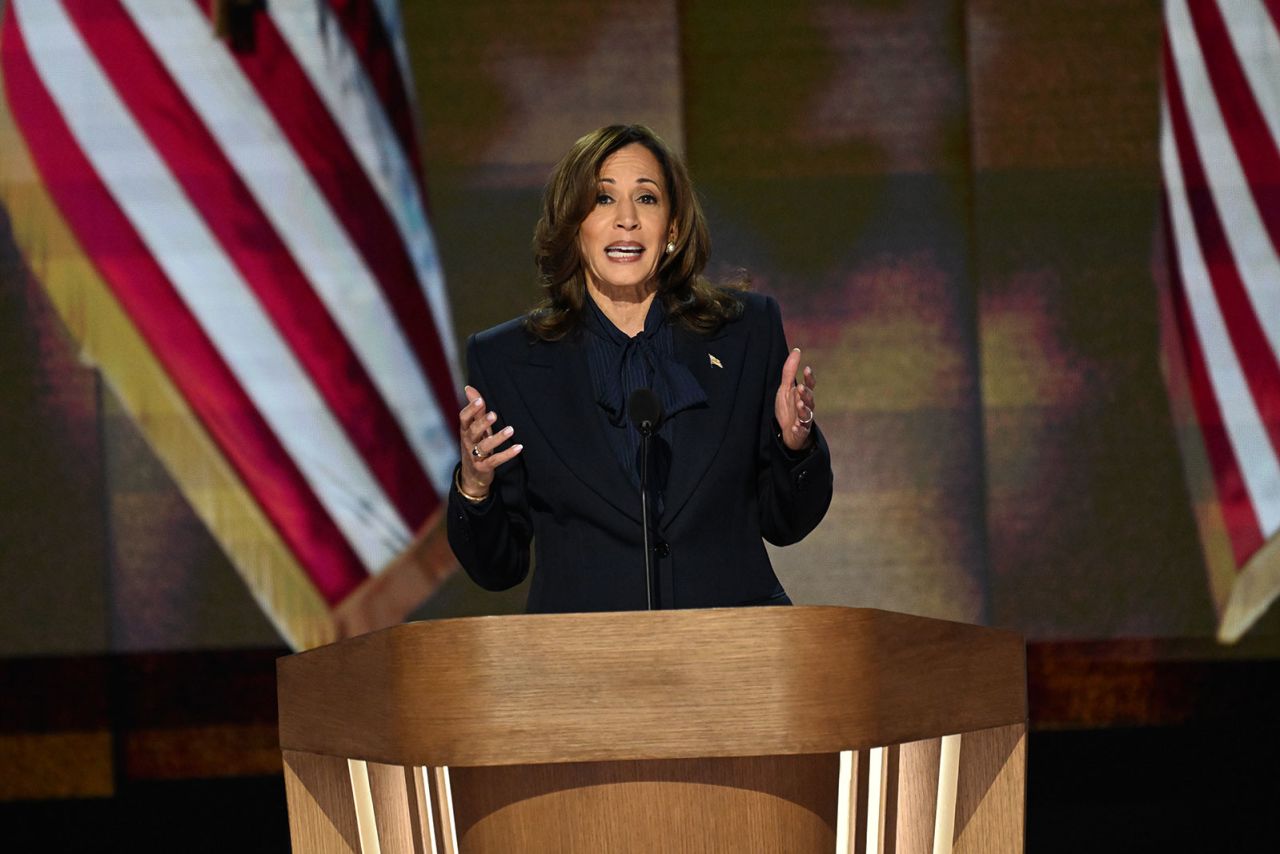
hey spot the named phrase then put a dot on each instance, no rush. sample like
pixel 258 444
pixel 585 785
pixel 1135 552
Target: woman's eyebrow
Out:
pixel 638 181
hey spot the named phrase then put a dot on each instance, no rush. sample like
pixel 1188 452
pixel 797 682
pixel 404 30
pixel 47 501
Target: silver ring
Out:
pixel 810 421
pixel 475 452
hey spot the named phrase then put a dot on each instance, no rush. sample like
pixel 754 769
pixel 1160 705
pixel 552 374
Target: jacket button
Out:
pixel 802 479
pixel 662 548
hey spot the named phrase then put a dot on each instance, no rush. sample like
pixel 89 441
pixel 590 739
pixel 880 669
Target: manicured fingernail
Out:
pixel 491 417
pixel 508 430
pixel 478 402
pixel 518 448
pixel 795 349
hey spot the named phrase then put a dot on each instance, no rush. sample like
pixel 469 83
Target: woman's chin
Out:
pixel 625 287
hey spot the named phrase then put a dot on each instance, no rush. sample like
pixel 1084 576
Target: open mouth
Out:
pixel 628 252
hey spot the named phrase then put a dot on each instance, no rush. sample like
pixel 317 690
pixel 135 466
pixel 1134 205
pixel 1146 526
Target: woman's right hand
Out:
pixel 479 446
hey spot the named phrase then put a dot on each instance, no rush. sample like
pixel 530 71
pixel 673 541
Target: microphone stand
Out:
pixel 646 431
pixel 645 410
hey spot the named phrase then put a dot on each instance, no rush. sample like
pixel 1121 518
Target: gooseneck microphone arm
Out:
pixel 644 519
pixel 646 412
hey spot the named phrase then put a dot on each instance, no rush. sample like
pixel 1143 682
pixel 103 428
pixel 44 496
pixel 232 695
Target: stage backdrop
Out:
pixel 958 205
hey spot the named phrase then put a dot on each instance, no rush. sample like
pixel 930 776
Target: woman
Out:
pixel 548 452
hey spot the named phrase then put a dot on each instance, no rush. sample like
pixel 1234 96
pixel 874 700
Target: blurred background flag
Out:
pixel 1220 157
pixel 223 201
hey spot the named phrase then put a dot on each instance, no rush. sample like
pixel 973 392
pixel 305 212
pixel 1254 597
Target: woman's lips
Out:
pixel 624 252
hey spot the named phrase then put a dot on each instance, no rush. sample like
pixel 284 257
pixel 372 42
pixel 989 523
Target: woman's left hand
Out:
pixel 793 404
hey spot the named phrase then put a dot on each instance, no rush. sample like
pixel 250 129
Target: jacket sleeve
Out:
pixel 491 538
pixel 794 487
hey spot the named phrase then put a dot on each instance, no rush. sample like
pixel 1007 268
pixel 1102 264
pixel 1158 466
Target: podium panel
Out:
pixel 780 729
pixel 780 803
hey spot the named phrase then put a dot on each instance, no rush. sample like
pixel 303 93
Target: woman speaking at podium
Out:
pixel 629 333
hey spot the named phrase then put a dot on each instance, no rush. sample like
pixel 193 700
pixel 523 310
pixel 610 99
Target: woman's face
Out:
pixel 626 233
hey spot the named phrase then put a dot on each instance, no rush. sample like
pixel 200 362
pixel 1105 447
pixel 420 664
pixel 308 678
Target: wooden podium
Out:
pixel 739 730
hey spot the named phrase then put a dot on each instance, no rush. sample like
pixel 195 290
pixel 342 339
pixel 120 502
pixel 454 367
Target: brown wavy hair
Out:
pixel 568 199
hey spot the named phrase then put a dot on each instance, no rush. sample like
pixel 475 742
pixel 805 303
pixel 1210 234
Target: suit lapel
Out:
pixel 697 433
pixel 555 386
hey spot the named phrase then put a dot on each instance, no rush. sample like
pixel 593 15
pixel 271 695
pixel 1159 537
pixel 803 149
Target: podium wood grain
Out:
pixel 660 685
pixel 666 731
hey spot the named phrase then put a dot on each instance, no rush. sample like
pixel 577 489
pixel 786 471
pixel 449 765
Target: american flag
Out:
pixel 1220 158
pixel 232 222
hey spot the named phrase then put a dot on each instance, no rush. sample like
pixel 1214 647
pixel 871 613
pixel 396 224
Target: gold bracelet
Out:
pixel 457 484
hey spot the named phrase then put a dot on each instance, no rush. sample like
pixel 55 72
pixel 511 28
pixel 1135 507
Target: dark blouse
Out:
pixel 619 365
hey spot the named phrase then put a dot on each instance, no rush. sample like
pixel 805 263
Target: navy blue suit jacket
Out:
pixel 731 484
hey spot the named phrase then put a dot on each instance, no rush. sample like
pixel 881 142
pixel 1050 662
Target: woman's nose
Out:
pixel 626 216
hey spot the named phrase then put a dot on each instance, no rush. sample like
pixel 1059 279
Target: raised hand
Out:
pixel 479 446
pixel 793 404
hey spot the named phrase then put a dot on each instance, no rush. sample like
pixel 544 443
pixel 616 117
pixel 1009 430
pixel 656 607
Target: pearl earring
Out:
pixel 671 247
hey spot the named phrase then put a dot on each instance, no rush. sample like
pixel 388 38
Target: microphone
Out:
pixel 645 411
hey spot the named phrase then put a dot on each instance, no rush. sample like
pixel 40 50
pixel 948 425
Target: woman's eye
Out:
pixel 604 199
pixel 648 199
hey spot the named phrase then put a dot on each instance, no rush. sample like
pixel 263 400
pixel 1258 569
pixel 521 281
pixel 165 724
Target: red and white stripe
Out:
pixel 261 218
pixel 1220 155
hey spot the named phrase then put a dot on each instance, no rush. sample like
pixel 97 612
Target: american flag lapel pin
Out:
pixel 714 361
